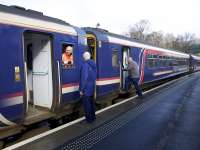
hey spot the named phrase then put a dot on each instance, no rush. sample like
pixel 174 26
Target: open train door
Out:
pixel 92 48
pixel 124 64
pixel 38 72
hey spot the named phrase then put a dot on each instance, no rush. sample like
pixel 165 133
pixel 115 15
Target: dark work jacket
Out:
pixel 88 78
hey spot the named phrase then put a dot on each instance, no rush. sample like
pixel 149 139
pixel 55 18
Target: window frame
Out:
pixel 153 58
pixel 115 51
pixel 62 64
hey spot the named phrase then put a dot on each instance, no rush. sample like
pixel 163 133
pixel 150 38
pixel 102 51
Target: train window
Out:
pixel 164 63
pixel 30 56
pixel 157 63
pixel 150 56
pixel 161 62
pixel 91 41
pixel 155 56
pixel 150 63
pixel 115 58
pixel 67 56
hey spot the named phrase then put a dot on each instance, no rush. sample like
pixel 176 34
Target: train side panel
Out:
pixel 69 74
pixel 108 71
pixel 12 74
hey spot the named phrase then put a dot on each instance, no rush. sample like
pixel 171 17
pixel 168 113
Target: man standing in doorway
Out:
pixel 133 76
pixel 87 86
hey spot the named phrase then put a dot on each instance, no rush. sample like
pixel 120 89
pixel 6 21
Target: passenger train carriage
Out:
pixel 41 58
pixel 111 52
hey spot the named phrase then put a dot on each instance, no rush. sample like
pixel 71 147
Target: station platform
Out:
pixel 167 118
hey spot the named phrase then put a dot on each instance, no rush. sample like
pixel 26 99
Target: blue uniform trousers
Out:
pixel 134 81
pixel 89 108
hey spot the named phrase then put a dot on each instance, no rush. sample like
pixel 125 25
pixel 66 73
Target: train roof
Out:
pixel 104 35
pixel 20 16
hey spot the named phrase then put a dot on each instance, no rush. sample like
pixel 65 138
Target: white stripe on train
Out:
pixel 135 44
pixel 74 88
pixel 11 101
pixel 22 21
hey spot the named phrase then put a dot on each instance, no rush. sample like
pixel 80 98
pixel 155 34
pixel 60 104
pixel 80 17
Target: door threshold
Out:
pixel 36 115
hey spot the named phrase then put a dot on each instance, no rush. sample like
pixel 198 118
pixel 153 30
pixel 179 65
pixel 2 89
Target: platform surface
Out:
pixel 168 119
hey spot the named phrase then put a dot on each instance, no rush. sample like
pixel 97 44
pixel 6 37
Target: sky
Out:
pixel 168 16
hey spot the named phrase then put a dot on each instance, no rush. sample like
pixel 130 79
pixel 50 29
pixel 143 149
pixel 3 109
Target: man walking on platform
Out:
pixel 133 76
pixel 87 86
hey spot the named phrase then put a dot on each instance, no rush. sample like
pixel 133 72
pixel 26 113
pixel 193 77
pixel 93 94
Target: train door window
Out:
pixel 115 58
pixel 67 55
pixel 30 56
pixel 125 55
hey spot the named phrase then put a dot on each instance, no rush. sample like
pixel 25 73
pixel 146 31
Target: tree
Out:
pixel 169 41
pixel 155 38
pixel 188 39
pixel 139 29
pixel 184 42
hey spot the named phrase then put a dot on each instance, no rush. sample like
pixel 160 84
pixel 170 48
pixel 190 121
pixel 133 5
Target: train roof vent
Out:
pixel 18 7
pixel 35 12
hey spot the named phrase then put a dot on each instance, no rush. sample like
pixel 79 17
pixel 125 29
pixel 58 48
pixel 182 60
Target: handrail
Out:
pixel 59 82
pixel 120 73
pixel 26 82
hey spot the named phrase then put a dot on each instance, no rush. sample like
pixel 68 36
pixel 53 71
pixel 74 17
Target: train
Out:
pixel 37 84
